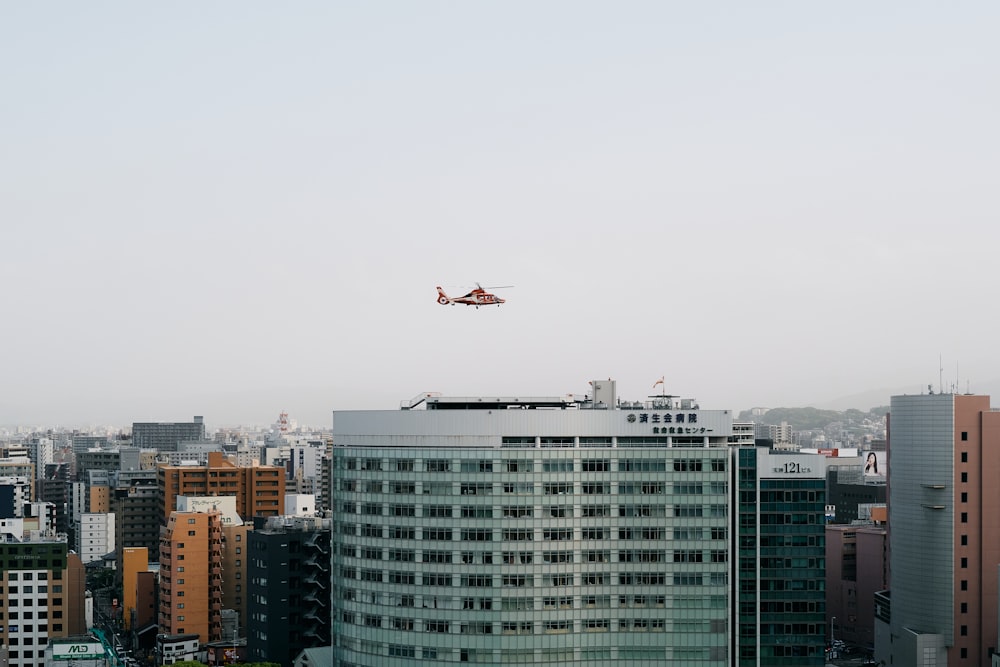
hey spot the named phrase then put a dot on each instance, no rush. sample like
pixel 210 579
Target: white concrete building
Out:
pixel 95 536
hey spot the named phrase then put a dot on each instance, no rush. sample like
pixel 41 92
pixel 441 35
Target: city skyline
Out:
pixel 231 214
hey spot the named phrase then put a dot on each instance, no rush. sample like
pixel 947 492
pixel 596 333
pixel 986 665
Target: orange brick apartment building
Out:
pixel 259 490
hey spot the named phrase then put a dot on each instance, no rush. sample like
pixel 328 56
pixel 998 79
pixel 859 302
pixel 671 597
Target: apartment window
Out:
pixel 516 511
pixel 965 540
pixel 477 580
pixel 191 521
pixel 477 512
pixel 965 497
pixel 964 607
pixel 436 626
pixel 477 535
pixel 965 517
pixel 437 511
pixel 965 436
pixel 965 563
pixel 965 631
pixel 430 579
pixel 437 534
pixel 395 532
pixel 555 534
pixel 437 557
pixel 964 652
pixel 964 584
pixel 965 477
pixel 517 465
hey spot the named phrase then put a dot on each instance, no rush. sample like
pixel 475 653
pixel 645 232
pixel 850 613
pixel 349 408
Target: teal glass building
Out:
pixel 781 560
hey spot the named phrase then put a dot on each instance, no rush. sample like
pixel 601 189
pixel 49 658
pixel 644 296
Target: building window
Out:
pixel 965 436
pixel 964 585
pixel 964 607
pixel 965 517
pixel 964 652
pixel 965 477
pixel 965 540
pixel 965 497
pixel 965 563
pixel 965 631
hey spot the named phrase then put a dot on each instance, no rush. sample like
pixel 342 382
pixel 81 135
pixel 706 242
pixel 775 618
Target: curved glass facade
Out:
pixel 574 550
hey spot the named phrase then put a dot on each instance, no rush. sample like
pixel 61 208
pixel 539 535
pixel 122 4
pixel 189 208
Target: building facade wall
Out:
pixel 943 525
pixel 234 568
pixel 528 536
pixel 191 575
pixel 781 563
pixel 259 490
pixel 165 436
pixel 289 585
pixel 873 576
pixel 34 598
pixel 922 513
pixel 134 560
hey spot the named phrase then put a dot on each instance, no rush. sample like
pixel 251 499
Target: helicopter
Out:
pixel 477 297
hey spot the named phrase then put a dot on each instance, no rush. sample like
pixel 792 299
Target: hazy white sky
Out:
pixel 233 209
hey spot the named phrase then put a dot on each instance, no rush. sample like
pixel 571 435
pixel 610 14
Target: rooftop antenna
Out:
pixel 940 375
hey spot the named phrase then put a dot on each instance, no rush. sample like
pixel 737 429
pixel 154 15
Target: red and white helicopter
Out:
pixel 477 297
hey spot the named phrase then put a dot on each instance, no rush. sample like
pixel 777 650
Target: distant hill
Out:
pixel 812 419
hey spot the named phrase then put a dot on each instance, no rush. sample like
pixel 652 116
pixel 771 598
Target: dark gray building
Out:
pixel 97 459
pixel 289 576
pixel 82 443
pixel 135 502
pixel 848 489
pixel 165 436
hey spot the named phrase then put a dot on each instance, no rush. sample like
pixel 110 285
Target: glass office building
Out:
pixel 538 531
pixel 780 596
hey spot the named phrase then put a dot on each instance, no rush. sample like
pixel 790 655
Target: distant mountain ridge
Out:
pixel 868 400
pixel 812 419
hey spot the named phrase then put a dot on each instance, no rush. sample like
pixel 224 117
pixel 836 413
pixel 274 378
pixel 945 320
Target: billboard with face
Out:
pixel 875 464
